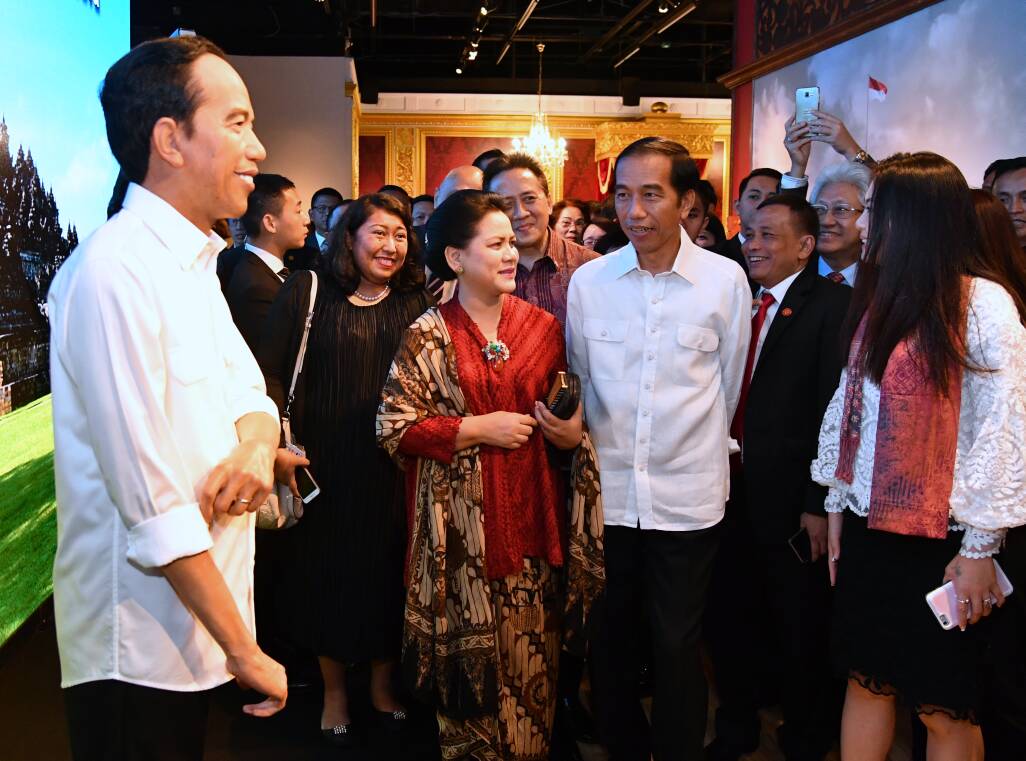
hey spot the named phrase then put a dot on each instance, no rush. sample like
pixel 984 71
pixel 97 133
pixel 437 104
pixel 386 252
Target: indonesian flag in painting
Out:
pixel 877 89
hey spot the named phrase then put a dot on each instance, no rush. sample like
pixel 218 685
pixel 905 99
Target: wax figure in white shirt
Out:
pixel 165 440
pixel 658 332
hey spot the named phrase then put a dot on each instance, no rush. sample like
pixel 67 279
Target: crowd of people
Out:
pixel 783 441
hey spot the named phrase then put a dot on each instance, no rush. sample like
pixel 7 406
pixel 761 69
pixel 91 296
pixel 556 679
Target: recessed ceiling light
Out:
pixel 459 70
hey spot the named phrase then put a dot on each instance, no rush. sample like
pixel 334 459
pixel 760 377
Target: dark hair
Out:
pixel 423 198
pixel 706 192
pixel 266 198
pixel 492 153
pixel 326 192
pixel 339 260
pixel 614 240
pixel 763 171
pixel 1009 165
pixel 397 192
pixel 994 166
pixel 803 216
pixel 715 227
pixel 999 256
pixel 117 194
pixel 683 170
pixel 507 162
pixel 922 236
pixel 584 208
pixel 148 83
pixel 454 223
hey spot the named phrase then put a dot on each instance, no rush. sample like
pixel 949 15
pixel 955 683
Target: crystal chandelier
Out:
pixel 550 151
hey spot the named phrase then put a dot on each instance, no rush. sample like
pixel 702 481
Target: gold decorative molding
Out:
pixel 697 136
pixel 353 93
pixel 873 17
pixel 406 138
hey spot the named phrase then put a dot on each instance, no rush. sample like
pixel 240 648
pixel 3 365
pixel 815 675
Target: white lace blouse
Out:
pixel 989 491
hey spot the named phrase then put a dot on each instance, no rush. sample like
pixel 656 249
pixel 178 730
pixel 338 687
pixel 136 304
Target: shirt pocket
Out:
pixel 695 359
pixel 607 348
pixel 186 367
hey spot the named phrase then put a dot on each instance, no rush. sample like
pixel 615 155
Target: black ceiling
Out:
pixel 416 45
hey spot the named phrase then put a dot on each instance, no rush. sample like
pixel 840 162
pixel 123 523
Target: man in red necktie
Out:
pixel 767 615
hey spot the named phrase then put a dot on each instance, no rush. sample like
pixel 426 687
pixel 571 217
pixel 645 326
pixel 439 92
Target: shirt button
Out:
pixel 653 331
pixel 605 332
pixel 648 386
pixel 644 413
pixel 651 355
pixel 655 300
pixel 641 468
pixel 642 441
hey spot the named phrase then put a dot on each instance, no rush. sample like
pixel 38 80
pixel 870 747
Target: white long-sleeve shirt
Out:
pixel 988 495
pixel 660 359
pixel 149 376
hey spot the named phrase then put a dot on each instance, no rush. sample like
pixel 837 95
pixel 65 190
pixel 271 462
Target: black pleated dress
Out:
pixel 344 560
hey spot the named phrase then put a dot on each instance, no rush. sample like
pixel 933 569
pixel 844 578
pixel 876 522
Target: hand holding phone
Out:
pixel 943 601
pixel 806 100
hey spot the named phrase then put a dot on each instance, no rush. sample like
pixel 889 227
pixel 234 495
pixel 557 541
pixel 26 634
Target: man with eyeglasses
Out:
pixel 838 195
pixel 323 202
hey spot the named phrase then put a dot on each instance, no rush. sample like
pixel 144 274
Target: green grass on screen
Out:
pixel 28 513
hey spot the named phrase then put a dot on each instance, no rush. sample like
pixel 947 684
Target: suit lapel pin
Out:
pixel 786 312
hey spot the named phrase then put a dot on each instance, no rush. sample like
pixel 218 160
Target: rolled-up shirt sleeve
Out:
pixel 118 364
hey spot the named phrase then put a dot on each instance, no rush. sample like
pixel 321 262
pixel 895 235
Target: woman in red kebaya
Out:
pixel 493 539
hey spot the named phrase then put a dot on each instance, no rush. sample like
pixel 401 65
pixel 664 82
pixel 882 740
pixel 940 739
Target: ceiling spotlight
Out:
pixel 474 43
pixel 472 55
pixel 459 70
pixel 665 44
pixel 664 8
pixel 484 10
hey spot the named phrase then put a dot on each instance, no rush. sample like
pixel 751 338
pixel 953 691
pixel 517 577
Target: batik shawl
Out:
pixel 449 640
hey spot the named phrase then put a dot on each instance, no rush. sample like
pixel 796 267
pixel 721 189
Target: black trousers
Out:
pixel 116 721
pixel 767 633
pixel 659 577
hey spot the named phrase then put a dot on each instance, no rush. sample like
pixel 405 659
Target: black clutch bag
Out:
pixel 564 396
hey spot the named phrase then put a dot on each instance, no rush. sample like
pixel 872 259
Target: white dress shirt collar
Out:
pixel 273 262
pixel 684 264
pixel 779 291
pixel 183 239
pixel 320 239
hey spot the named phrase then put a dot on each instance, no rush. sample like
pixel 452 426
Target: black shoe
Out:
pixel 341 735
pixel 393 722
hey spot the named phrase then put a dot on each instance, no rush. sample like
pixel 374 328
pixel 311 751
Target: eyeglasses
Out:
pixel 840 211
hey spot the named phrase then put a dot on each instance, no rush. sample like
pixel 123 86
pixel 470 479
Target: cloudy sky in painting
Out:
pixel 956 79
pixel 53 57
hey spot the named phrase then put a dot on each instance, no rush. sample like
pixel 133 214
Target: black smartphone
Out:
pixel 801 546
pixel 308 488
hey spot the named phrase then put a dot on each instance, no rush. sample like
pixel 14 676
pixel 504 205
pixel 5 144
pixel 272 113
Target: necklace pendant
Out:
pixel 496 353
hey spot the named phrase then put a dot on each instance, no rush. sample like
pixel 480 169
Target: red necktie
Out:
pixel 737 426
pixel 836 277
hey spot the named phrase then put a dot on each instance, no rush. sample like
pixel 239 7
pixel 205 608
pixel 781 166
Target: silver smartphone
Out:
pixel 806 100
pixel 308 488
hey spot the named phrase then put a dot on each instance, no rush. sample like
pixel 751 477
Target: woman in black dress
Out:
pixel 345 557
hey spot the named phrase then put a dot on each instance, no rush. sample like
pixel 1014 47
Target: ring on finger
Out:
pixel 965 601
pixel 242 501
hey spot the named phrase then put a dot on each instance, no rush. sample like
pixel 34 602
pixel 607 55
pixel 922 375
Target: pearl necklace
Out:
pixel 372 299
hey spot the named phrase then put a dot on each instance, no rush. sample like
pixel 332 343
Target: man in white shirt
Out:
pixel 165 439
pixel 275 223
pixel 658 332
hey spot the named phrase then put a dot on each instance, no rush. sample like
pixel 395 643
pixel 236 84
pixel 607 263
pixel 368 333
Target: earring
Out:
pixel 459 270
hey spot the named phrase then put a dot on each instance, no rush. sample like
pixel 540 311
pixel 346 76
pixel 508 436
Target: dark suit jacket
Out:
pixel 226 263
pixel 304 258
pixel 252 289
pixel 795 377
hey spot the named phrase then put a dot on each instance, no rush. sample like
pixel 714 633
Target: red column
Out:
pixel 741 106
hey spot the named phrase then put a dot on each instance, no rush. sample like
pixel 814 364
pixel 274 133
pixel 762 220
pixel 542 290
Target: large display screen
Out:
pixel 955 80
pixel 56 175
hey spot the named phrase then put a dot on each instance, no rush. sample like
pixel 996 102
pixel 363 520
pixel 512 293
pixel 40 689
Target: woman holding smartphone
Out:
pixel 923 448
pixel 493 542
pixel 346 554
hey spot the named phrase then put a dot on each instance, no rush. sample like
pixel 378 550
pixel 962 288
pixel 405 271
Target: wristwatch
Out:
pixel 862 157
